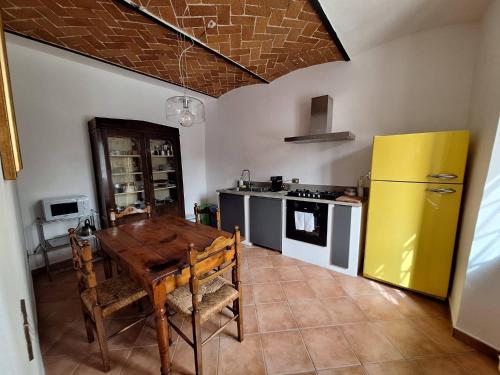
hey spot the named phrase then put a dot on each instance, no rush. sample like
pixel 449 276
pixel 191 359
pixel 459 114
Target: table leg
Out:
pixel 159 297
pixel 108 267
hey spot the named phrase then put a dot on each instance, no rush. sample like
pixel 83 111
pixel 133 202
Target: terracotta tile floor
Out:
pixel 299 319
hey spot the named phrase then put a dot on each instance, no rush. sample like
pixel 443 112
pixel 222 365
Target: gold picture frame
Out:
pixel 10 152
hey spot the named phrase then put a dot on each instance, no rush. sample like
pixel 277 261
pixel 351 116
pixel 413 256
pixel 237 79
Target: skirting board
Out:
pixel 476 344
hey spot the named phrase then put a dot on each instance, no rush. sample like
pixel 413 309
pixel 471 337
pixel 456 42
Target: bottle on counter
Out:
pixel 361 186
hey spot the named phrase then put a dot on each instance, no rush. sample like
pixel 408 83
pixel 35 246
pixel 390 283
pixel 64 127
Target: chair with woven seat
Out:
pixel 101 300
pixel 209 293
pixel 206 211
pixel 127 213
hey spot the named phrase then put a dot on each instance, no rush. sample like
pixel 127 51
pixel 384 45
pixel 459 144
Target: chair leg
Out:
pixel 108 267
pixel 197 340
pixel 89 326
pixel 238 308
pixel 170 341
pixel 101 337
pixel 140 305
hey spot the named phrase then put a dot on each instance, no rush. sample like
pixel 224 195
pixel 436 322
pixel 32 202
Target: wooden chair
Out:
pixel 122 216
pixel 99 301
pixel 130 210
pixel 209 293
pixel 198 212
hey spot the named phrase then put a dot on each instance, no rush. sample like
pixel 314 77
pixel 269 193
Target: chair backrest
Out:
pixel 130 210
pixel 206 211
pixel 82 263
pixel 216 257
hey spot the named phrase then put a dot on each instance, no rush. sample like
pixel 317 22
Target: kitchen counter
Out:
pixel 282 195
pixel 264 220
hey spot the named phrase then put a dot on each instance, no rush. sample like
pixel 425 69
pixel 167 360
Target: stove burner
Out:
pixel 325 195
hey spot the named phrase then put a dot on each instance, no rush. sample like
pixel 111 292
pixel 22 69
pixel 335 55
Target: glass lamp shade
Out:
pixel 185 110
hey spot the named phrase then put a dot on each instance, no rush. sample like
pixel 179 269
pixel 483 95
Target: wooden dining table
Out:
pixel 153 252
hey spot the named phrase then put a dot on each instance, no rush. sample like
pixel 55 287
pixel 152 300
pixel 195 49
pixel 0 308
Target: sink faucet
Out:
pixel 247 171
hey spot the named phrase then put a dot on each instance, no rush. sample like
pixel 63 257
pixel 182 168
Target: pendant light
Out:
pixel 184 110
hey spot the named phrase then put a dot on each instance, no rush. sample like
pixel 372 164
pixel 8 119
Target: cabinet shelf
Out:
pixel 161 156
pixel 124 156
pixel 166 187
pixel 59 241
pixel 126 173
pixel 167 171
pixel 129 192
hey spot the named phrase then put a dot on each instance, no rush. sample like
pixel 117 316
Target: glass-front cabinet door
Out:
pixel 127 172
pixel 164 172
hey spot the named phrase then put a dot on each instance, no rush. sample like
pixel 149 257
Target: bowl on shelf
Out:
pixel 119 188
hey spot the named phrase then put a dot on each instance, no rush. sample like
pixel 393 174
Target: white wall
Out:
pixel 55 94
pixel 15 284
pixel 417 83
pixel 475 302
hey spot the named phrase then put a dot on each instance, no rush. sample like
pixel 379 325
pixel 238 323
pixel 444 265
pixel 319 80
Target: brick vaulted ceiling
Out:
pixel 249 41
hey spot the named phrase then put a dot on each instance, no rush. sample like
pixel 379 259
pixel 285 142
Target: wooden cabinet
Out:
pixel 266 222
pixel 136 163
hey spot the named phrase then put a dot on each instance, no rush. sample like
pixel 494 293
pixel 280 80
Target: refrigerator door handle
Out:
pixel 442 190
pixel 443 176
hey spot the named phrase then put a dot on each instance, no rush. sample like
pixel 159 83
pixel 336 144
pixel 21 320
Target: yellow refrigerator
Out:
pixel 414 204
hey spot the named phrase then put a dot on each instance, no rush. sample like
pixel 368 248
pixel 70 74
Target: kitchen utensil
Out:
pixel 86 230
pixel 276 183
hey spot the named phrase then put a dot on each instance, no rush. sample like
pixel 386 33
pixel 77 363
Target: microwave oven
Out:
pixel 61 208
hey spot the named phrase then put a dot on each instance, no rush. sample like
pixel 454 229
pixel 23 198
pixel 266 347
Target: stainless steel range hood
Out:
pixel 320 128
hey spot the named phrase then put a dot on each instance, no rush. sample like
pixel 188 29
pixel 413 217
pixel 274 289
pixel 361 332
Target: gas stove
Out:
pixel 325 195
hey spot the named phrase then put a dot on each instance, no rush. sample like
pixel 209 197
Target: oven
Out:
pixel 316 218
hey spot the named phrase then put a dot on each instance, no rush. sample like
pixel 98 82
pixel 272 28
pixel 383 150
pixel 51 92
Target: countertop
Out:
pixel 282 195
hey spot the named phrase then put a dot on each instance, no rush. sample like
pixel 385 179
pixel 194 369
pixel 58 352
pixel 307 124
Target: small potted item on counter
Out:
pixel 350 192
